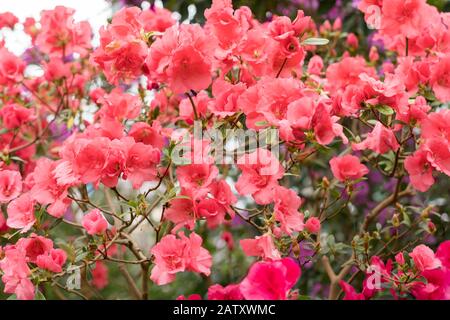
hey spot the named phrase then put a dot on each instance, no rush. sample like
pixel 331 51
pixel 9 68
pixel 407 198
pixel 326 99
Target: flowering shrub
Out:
pixel 234 160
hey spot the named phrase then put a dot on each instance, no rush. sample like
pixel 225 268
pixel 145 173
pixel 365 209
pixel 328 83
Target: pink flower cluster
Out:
pixel 36 250
pixel 89 144
pixel 177 254
pixel 430 271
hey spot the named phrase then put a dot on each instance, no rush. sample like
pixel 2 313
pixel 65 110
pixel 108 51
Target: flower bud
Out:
pixel 431 227
pixel 399 258
pixel 396 220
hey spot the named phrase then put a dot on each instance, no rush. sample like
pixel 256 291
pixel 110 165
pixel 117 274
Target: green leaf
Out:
pixel 315 42
pixel 372 121
pixel 16 158
pixel 291 174
pixel 386 110
pixel 406 219
pixel 261 123
pixel 39 296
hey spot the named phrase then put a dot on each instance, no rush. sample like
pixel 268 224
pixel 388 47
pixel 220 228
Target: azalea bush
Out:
pixel 235 159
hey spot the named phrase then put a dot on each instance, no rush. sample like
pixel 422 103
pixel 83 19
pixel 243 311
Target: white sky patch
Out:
pixel 95 11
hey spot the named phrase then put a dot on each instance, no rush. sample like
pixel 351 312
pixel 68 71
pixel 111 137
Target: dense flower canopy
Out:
pixel 132 163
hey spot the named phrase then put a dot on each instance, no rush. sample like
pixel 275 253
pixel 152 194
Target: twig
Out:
pixel 382 205
pixel 335 279
pixel 131 284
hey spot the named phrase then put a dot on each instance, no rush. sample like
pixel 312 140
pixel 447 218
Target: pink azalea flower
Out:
pixel 226 98
pixel 169 255
pixel 229 292
pixel 313 225
pixel 315 65
pixel 436 125
pixel 141 164
pixel 156 19
pixel 52 261
pixel 60 34
pixel 100 275
pixel 119 106
pixel 181 212
pixel 181 58
pixel 419 170
pixel 47 189
pixel 261 246
pixel 21 213
pixel 10 185
pixel 150 135
pixel 347 168
pixel 225 24
pixel 115 163
pixel 221 192
pixel 94 222
pixel 173 255
pixel 440 79
pixel 405 17
pixel 350 292
pixel 287 203
pixel 14 116
pixel 201 102
pixel 197 177
pixel 122 50
pixel 424 258
pixel 380 140
pixel 439 154
pixel 89 158
pixel 270 280
pixel 443 253
pixel 212 211
pixel 346 72
pixel 260 174
pixel 7 19
pixel 34 246
pixel 16 273
pixel 436 286
pixel 11 67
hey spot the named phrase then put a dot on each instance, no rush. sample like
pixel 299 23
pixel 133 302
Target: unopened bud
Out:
pixel 426 212
pixel 431 227
pixel 325 183
pixel 296 249
pixel 396 220
pixel 400 258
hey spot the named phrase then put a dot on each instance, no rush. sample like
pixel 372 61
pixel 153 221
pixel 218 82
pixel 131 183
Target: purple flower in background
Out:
pixel 375 177
pixel 68 215
pixel 306 253
pixel 361 193
pixel 238 221
pixel 389 186
pixel 319 290
pixel 32 55
pixel 60 131
pixel 355 3
pixel 385 215
pixel 373 40
pixel 131 3
pixel 307 4
pixel 336 11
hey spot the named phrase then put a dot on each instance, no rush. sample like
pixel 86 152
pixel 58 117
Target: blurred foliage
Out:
pixel 318 9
